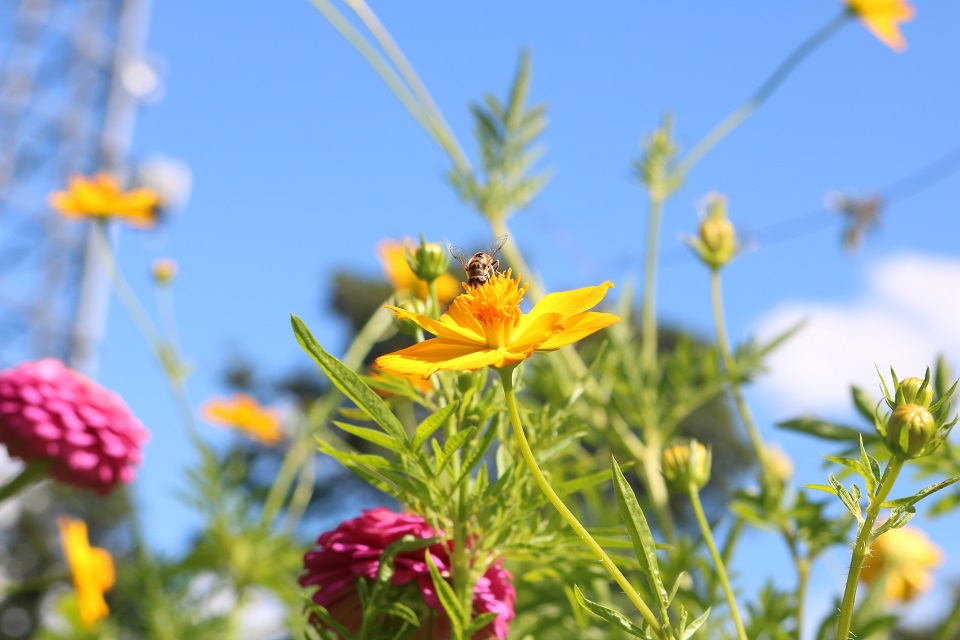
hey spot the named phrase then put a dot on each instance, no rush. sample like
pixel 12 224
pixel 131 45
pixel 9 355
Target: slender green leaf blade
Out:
pixel 612 616
pixel 431 423
pixel 348 382
pixel 643 543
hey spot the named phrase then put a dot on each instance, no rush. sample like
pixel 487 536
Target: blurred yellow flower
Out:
pixel 91 568
pixel 100 197
pixel 484 327
pixel 402 278
pixel 904 557
pixel 246 415
pixel 883 18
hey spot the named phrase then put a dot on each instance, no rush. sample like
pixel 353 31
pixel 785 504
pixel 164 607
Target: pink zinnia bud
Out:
pixel 48 411
pixel 353 551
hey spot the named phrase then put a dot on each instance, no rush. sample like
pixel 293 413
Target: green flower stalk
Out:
pixel 506 379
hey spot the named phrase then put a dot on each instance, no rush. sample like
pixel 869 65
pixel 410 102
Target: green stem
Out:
pixel 717 560
pixel 732 372
pixel 656 485
pixel 862 545
pixel 362 343
pixel 648 318
pixel 744 111
pixel 803 579
pixel 126 295
pixel 951 626
pixel 506 379
pixel 33 472
pixel 439 129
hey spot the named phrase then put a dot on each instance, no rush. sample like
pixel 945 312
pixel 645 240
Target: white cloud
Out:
pixel 907 314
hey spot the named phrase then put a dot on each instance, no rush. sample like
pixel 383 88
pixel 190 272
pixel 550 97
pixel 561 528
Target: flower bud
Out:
pixel 716 241
pixel 429 261
pixel 778 464
pixel 686 464
pixel 908 392
pixel 164 270
pixel 909 428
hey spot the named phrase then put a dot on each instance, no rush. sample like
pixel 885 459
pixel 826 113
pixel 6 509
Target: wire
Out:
pixel 792 228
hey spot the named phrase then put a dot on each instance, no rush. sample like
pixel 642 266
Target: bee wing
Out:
pixel 461 255
pixel 496 245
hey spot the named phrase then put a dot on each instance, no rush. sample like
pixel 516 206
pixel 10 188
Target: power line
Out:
pixel 792 228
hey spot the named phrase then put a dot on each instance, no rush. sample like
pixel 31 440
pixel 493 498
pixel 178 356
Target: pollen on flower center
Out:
pixel 496 306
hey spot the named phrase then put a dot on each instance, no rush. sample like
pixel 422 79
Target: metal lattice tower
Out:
pixel 67 104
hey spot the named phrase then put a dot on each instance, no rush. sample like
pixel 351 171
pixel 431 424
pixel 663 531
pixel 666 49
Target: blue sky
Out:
pixel 302 161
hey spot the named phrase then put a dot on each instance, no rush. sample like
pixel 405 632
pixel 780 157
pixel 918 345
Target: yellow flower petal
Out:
pixel 883 18
pixel 439 354
pixel 484 327
pixel 570 302
pixel 91 568
pixel 579 327
pixel 535 333
pixel 449 330
pixel 245 414
pixel 903 558
pixel 101 197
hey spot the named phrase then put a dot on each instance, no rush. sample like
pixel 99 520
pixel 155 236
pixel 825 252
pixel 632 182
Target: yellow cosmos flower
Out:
pixel 246 415
pixel 484 327
pixel 393 257
pixel 101 197
pixel 91 568
pixel 904 557
pixel 883 18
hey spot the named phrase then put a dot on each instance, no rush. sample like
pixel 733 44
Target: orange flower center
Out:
pixel 496 306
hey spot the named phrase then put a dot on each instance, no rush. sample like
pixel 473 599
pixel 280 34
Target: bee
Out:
pixel 481 266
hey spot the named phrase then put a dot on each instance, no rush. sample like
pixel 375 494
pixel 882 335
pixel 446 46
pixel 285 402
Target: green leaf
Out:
pixel 695 625
pixel 450 447
pixel 350 459
pixel 848 462
pixel 920 495
pixel 378 438
pixel 852 505
pixel 869 463
pixel 864 402
pixel 348 382
pixel 942 376
pixel 826 430
pixel 644 545
pixel 581 483
pixel 479 449
pixel 447 598
pixel 402 611
pixel 898 519
pixel 321 612
pixel 612 616
pixel 778 340
pixel 482 620
pixel 431 423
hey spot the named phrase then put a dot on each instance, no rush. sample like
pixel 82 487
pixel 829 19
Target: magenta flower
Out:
pixel 353 551
pixel 49 412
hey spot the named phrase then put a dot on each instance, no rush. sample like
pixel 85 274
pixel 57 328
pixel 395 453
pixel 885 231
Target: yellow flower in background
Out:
pixel 393 257
pixel 883 18
pixel 101 197
pixel 246 415
pixel 91 568
pixel 484 327
pixel 904 557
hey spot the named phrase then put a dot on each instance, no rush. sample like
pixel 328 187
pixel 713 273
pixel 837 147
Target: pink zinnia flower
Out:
pixel 48 411
pixel 353 550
